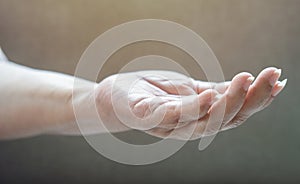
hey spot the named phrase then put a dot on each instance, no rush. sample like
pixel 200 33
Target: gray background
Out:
pixel 246 35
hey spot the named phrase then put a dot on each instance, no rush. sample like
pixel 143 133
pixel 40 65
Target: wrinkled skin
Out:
pixel 160 103
pixel 182 103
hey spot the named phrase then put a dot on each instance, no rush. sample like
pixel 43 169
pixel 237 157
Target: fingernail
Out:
pixel 248 83
pixel 275 77
pixel 281 85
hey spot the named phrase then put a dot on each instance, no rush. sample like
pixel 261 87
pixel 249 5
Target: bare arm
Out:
pixel 34 102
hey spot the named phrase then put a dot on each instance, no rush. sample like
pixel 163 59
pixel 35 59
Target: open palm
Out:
pixel 165 103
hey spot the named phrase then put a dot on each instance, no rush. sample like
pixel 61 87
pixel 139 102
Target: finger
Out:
pixel 175 87
pixel 201 86
pixel 231 102
pixel 258 94
pixel 261 90
pixel 187 109
pixel 182 133
pixel 235 95
pixel 168 112
pixel 222 87
pixel 229 105
pixel 191 131
pixel 279 86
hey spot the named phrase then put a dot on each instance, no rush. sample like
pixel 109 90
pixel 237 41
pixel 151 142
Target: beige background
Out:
pixel 246 35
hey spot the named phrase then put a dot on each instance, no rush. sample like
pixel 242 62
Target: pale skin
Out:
pixel 35 102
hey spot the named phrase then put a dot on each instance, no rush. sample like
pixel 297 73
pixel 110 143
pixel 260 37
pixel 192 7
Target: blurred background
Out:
pixel 246 35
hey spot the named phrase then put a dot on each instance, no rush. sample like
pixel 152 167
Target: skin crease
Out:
pixel 37 102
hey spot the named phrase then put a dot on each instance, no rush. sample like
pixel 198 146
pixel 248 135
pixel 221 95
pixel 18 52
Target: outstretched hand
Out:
pixel 164 102
pixel 161 103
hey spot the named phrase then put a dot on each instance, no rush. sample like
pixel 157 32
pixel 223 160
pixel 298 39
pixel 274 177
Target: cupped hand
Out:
pixel 168 104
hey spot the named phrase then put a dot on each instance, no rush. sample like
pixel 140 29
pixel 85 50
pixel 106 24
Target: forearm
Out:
pixel 33 101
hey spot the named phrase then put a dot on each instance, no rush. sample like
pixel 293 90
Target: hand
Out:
pixel 164 102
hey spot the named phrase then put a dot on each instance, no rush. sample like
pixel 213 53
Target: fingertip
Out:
pixel 242 76
pixel 268 76
pixel 268 72
pixel 269 69
pixel 241 81
pixel 283 83
pixel 279 86
pixel 275 76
